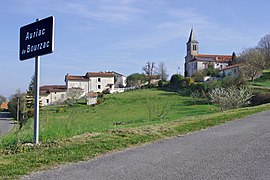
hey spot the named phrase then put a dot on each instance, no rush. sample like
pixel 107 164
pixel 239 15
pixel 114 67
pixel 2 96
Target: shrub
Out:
pixel 30 112
pixel 231 97
pixel 106 91
pixel 260 98
pixel 236 81
pixel 60 110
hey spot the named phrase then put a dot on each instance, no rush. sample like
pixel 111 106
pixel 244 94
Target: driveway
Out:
pixel 6 123
pixel 235 150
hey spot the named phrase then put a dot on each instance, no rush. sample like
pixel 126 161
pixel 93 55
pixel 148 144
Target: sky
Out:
pixel 123 35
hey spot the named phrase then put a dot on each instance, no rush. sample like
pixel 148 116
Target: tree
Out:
pixel 176 81
pixel 264 46
pixel 136 80
pixel 73 94
pixel 2 99
pixel 199 75
pixel 17 107
pixel 149 70
pixel 162 71
pixel 253 63
pixel 30 94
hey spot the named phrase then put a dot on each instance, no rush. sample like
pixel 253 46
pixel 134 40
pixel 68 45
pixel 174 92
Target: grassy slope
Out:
pixel 124 110
pixel 104 135
pixel 263 81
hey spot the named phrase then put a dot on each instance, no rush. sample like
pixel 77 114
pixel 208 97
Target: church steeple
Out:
pixel 192 44
pixel 191 38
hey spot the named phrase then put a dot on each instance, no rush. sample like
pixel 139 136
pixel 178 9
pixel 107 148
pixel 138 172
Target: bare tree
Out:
pixel 149 70
pixel 264 46
pixel 253 63
pixel 73 94
pixel 162 71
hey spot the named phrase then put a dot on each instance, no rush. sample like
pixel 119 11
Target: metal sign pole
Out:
pixel 36 108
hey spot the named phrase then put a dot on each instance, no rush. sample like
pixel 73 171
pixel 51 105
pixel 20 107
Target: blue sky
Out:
pixel 122 35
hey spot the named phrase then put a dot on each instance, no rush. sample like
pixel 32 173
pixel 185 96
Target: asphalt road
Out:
pixel 6 123
pixel 235 150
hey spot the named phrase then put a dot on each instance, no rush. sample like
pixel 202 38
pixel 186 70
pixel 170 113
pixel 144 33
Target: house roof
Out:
pixel 92 94
pixel 99 74
pixel 70 77
pixel 46 89
pixel 212 58
pixel 230 67
pixel 115 73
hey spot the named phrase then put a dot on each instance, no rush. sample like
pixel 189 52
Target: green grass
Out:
pixel 84 132
pixel 130 109
pixel 263 81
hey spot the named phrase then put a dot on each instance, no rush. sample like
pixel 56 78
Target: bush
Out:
pixel 30 112
pixel 106 91
pixel 213 84
pixel 236 81
pixel 60 110
pixel 260 98
pixel 198 87
pixel 231 97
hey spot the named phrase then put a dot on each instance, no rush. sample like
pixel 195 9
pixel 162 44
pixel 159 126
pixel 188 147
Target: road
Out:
pixel 235 150
pixel 6 123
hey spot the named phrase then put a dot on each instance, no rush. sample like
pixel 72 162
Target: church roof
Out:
pixel 212 57
pixel 192 37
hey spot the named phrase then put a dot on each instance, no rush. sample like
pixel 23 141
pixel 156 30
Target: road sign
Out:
pixel 37 38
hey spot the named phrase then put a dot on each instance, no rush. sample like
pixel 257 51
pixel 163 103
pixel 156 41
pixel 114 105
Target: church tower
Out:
pixel 192 50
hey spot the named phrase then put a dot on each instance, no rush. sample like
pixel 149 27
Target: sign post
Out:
pixel 37 39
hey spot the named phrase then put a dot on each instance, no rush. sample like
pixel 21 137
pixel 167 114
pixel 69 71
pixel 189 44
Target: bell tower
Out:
pixel 192 50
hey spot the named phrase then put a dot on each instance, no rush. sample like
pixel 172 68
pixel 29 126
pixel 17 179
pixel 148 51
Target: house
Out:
pixel 196 62
pixel 91 82
pixel 233 70
pixel 51 94
pixel 120 79
pixel 91 98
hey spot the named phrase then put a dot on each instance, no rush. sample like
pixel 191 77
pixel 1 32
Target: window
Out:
pixel 47 101
pixel 194 47
pixel 99 79
pixel 99 86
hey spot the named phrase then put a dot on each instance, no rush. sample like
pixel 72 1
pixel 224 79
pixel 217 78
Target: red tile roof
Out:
pixel 212 57
pixel 99 74
pixel 69 77
pixel 230 67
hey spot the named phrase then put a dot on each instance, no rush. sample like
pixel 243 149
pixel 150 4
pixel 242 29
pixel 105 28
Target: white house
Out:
pixel 195 61
pixel 120 80
pixel 233 70
pixel 91 82
pixel 51 94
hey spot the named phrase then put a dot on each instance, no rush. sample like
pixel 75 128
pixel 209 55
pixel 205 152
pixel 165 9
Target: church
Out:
pixel 196 62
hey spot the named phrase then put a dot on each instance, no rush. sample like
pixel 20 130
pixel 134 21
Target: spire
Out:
pixel 192 37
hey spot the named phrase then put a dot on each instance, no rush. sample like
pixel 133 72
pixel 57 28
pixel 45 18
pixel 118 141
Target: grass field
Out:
pixel 263 81
pixel 130 109
pixel 71 134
